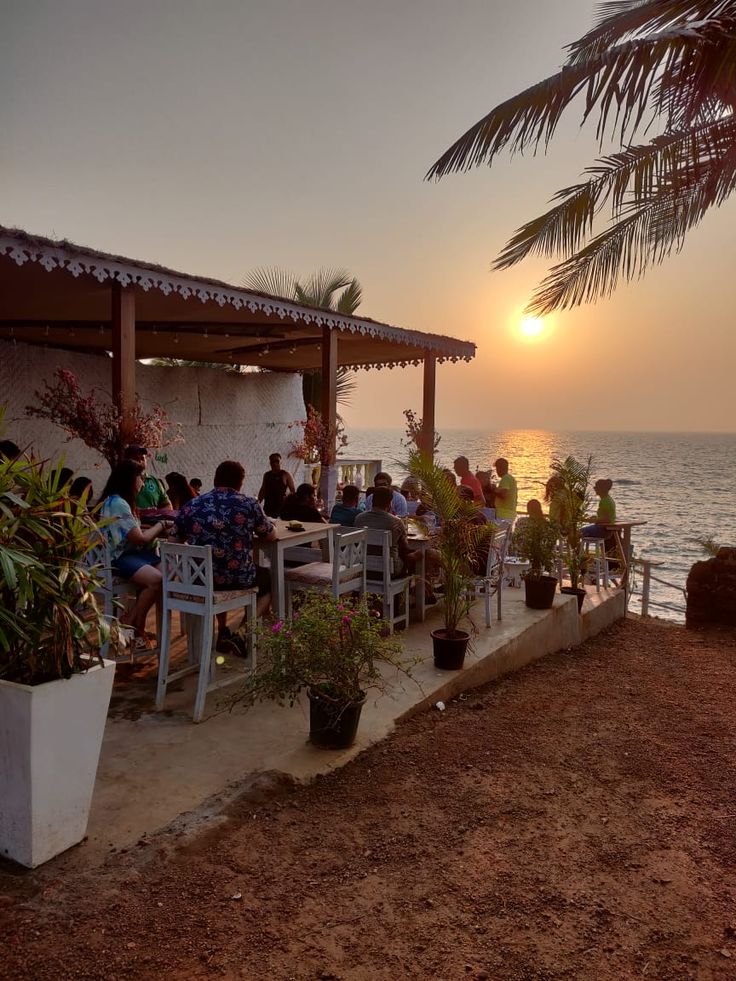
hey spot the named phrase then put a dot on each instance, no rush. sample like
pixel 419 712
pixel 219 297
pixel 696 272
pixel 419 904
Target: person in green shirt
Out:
pixel 506 491
pixel 606 514
pixel 152 496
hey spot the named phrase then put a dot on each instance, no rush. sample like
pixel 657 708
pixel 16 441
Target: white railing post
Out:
pixel 645 585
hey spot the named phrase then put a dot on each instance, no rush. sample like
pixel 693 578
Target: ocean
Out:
pixel 682 484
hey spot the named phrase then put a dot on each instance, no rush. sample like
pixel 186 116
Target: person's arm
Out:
pixel 264 528
pixel 163 497
pixel 137 536
pixel 290 486
pixel 502 490
pixel 262 492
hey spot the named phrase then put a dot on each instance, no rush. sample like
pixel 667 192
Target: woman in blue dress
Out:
pixel 131 554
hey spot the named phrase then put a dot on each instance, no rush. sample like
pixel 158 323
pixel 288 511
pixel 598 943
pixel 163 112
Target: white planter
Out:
pixel 50 739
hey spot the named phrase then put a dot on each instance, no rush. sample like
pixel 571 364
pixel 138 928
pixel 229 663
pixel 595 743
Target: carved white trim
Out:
pixel 108 269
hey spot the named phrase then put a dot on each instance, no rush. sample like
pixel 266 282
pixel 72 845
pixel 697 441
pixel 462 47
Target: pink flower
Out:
pixel 276 628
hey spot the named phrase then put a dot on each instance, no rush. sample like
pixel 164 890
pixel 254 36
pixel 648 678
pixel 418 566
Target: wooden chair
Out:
pixel 114 592
pixel 345 574
pixel 188 586
pixel 381 580
pixel 492 582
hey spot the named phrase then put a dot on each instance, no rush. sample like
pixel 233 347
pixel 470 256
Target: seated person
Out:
pixel 411 490
pixel 196 484
pixel 534 508
pixel 130 554
pixel 302 505
pixel 489 493
pixel 152 501
pixel 554 495
pixel 480 561
pixel 179 489
pixel 345 512
pixel 228 521
pixel 606 514
pixel 398 501
pixel 379 518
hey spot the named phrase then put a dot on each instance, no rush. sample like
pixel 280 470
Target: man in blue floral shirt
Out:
pixel 229 521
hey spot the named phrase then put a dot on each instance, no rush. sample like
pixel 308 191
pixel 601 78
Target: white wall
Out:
pixel 223 415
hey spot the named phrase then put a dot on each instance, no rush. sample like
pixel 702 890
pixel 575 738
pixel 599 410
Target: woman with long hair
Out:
pixel 180 490
pixel 129 544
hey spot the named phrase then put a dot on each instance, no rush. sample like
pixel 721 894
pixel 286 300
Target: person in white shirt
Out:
pixel 398 501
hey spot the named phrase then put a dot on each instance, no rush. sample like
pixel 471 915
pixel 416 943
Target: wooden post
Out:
pixel 328 475
pixel 123 358
pixel 428 400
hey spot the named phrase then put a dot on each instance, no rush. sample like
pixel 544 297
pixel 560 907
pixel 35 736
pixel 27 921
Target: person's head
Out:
pixel 382 479
pixel 8 449
pixel 137 453
pixel 350 496
pixel 125 480
pixel 382 498
pixel 275 461
pixel 81 486
pixel 179 488
pixel 553 485
pixel 534 508
pixel 450 476
pixel 305 494
pixel 484 478
pixel 196 484
pixel 410 489
pixel 602 487
pixel 63 476
pixel 230 474
pixel 461 466
pixel 502 466
pixel 465 493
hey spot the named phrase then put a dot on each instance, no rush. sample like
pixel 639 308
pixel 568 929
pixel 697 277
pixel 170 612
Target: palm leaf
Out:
pixel 272 280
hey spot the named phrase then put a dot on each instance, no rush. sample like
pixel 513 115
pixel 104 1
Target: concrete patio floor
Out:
pixel 159 769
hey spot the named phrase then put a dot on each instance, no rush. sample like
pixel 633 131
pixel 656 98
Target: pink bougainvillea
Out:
pixel 98 422
pixel 318 440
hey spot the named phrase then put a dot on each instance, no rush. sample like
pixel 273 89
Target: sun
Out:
pixel 532 327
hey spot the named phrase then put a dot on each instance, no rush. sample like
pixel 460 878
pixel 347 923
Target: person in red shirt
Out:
pixel 467 479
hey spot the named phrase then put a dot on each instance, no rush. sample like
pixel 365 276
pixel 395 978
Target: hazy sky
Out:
pixel 220 135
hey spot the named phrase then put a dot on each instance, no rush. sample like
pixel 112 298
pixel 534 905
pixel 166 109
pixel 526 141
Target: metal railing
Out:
pixel 645 566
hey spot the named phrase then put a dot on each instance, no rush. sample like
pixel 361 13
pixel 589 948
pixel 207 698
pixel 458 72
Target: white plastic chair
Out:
pixel 188 586
pixel 345 574
pixel 382 582
pixel 492 582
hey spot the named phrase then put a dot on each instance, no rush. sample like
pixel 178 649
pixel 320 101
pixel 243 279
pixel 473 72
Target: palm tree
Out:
pixel 672 62
pixel 328 289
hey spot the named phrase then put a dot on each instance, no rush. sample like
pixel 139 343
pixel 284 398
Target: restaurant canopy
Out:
pixel 65 296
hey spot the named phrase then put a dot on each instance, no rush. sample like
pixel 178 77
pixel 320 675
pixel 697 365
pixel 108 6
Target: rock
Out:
pixel 711 592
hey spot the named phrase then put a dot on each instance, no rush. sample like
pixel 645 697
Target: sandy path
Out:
pixel 575 820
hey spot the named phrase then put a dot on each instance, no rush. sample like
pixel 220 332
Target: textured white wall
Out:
pixel 223 415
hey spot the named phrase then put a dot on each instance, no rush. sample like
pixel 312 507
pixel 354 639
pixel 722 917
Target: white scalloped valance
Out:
pixel 51 256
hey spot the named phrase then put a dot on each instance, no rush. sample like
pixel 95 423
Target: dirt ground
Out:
pixel 574 820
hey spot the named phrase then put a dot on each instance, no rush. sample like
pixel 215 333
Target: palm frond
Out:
pixel 272 280
pixel 350 299
pixel 320 288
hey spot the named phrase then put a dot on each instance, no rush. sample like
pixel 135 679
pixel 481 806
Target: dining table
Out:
pixel 286 537
pixel 419 542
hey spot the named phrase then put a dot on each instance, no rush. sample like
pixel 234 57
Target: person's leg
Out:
pixel 148 579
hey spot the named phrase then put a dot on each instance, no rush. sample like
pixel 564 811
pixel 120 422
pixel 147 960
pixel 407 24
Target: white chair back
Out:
pixel 497 553
pixel 349 561
pixel 187 576
pixel 378 554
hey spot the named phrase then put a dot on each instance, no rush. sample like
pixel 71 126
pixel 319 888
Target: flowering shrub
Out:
pixel 333 645
pixel 413 431
pixel 319 442
pixel 99 423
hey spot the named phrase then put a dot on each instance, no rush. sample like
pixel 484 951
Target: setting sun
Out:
pixel 531 327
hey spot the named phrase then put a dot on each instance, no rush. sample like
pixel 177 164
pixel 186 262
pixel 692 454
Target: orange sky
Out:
pixel 218 137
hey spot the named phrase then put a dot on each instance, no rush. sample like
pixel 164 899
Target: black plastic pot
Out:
pixel 449 651
pixel 332 725
pixel 540 592
pixel 580 593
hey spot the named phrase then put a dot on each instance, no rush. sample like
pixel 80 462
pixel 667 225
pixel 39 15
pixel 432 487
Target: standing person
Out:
pixel 179 489
pixel 152 495
pixel 462 469
pixel 489 493
pixel 345 512
pixel 229 521
pixel 276 485
pixel 506 491
pixel 131 556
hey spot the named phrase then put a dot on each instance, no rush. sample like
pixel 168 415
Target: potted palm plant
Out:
pixel 574 490
pixel 462 541
pixel 54 687
pixel 332 649
pixel 534 540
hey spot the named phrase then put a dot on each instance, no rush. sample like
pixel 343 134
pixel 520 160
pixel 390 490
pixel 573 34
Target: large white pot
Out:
pixel 50 739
